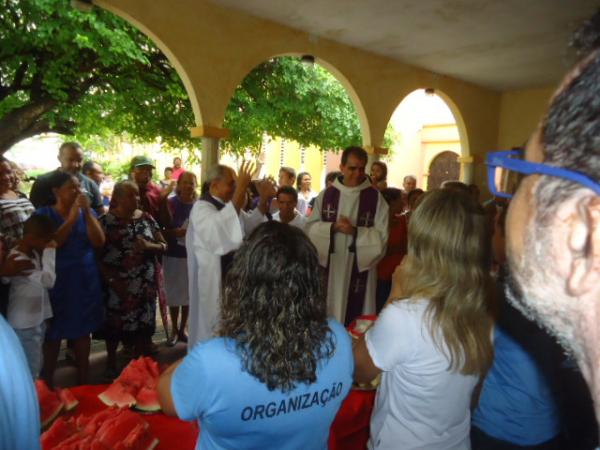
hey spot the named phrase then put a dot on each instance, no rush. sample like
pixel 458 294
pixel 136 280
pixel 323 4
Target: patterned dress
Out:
pixel 137 313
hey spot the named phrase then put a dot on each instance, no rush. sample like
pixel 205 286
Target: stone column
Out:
pixel 466 169
pixel 210 145
pixel 210 154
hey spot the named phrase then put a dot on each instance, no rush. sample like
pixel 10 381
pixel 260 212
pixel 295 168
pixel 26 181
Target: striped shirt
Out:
pixel 13 212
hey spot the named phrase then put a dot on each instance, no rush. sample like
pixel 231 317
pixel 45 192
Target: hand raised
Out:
pixel 266 188
pixel 244 175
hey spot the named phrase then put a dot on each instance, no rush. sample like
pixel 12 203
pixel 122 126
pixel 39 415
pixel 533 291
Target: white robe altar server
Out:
pixel 349 227
pixel 216 228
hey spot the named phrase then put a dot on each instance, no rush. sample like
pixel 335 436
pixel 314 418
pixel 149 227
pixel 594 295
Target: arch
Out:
pixel 454 109
pixel 428 126
pixel 338 75
pixel 188 85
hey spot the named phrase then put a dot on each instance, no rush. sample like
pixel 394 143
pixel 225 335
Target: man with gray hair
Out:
pixel 553 224
pixel 217 225
pixel 409 183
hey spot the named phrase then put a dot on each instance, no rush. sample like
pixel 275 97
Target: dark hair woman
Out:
pixel 305 193
pixel 278 371
pixel 76 297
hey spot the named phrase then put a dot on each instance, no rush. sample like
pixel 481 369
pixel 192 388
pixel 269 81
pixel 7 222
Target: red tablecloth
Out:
pixel 349 431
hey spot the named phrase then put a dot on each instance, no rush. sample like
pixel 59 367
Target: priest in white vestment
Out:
pixel 349 227
pixel 217 226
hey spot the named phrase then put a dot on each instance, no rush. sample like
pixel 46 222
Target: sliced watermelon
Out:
pixel 50 403
pixel 67 398
pixel 117 394
pixel 146 400
pixel 91 424
pixel 139 439
pixel 60 430
pixel 110 429
pixel 118 428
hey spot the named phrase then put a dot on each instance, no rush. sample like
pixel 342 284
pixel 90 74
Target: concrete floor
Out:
pixel 66 374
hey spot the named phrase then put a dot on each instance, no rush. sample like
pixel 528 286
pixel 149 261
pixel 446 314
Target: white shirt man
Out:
pixel 217 226
pixel 287 199
pixel 349 227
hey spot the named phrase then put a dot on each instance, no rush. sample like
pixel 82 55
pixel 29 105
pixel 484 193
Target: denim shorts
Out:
pixel 31 340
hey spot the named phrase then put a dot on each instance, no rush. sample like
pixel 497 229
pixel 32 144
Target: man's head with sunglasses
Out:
pixel 553 224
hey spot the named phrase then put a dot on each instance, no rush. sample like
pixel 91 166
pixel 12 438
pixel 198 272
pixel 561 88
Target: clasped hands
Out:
pixel 343 225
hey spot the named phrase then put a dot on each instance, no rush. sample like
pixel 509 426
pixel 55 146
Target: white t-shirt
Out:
pixel 28 299
pixel 419 404
pixel 298 221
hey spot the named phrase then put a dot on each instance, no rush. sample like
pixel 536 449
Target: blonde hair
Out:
pixel 448 262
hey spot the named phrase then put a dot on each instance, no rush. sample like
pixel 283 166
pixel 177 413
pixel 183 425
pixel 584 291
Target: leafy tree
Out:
pixel 78 73
pixel 92 76
pixel 284 97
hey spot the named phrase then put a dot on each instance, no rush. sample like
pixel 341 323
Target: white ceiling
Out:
pixel 501 44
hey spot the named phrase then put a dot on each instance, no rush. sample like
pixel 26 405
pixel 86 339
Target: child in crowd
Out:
pixel 29 303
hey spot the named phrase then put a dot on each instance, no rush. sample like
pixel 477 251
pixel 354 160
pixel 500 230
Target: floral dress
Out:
pixel 137 313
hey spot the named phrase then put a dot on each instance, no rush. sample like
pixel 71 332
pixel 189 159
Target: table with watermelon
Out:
pixel 126 416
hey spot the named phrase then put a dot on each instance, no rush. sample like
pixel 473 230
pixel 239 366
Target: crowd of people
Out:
pixel 469 296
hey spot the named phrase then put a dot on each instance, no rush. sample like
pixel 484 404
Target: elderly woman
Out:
pixel 278 371
pixel 176 212
pixel 133 241
pixel 77 294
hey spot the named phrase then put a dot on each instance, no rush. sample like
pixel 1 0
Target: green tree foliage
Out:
pixel 79 73
pixel 285 98
pixel 91 75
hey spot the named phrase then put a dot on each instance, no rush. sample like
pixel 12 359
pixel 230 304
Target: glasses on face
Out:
pixel 507 168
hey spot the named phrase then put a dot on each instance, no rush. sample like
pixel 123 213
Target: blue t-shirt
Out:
pixel 237 411
pixel 518 400
pixel 19 413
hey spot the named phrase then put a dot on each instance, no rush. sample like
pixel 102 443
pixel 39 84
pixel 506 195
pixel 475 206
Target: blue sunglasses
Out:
pixel 500 162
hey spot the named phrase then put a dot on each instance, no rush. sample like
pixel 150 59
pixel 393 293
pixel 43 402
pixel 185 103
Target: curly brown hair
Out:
pixel 274 307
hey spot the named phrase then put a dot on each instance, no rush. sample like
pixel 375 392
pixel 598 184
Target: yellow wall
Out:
pixel 520 112
pixel 415 151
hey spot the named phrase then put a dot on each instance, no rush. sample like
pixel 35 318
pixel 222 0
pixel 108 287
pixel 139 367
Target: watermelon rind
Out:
pixel 146 400
pixel 50 403
pixel 67 397
pixel 118 395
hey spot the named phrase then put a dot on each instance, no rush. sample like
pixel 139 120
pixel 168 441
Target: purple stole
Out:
pixel 226 260
pixel 367 207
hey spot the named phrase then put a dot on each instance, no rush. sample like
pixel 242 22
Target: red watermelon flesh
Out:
pixel 139 438
pixel 117 394
pixel 146 400
pixel 50 403
pixel 117 429
pixel 110 429
pixel 67 398
pixel 60 430
pixel 91 424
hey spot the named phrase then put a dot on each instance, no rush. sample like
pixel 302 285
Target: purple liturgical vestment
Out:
pixel 350 260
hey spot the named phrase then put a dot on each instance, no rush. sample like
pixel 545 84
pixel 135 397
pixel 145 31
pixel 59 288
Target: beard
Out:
pixel 537 290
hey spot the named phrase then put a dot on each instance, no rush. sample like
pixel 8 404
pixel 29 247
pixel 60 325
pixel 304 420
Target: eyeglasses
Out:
pixel 507 168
